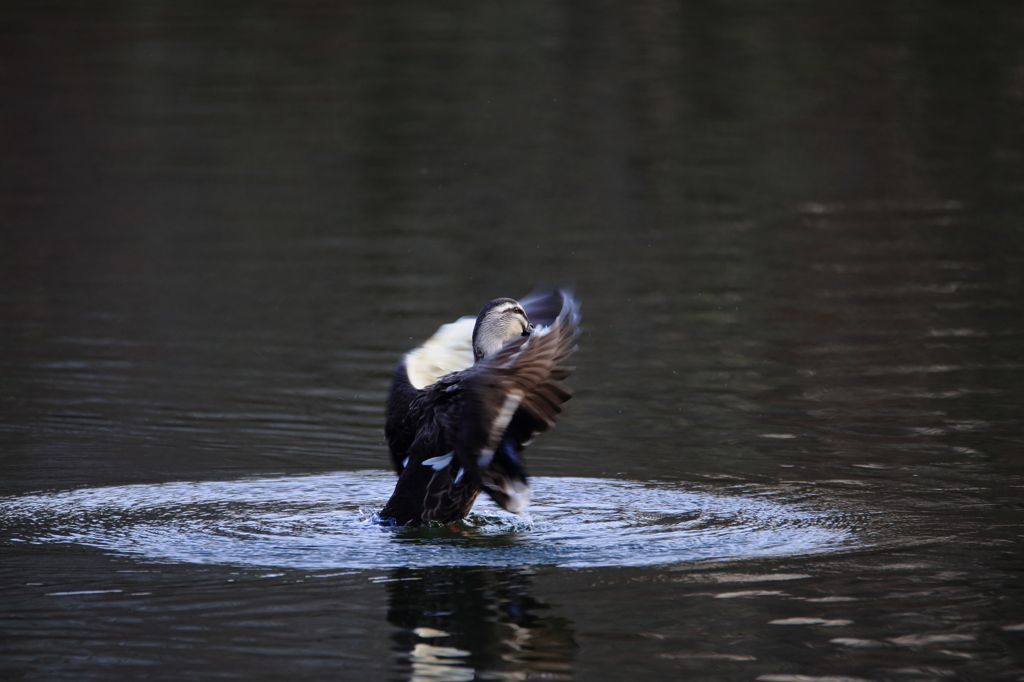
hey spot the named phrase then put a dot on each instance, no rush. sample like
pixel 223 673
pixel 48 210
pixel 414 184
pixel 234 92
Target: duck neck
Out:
pixel 486 341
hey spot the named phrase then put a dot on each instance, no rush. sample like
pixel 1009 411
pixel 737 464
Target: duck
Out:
pixel 464 405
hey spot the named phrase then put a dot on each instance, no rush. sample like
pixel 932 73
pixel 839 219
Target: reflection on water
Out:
pixel 323 522
pixel 473 623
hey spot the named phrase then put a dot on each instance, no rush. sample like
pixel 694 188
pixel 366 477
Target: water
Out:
pixel 328 522
pixel 793 452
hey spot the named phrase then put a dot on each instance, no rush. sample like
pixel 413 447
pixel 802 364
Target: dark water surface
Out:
pixel 794 451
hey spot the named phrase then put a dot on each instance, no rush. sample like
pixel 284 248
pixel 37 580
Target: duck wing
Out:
pixel 510 398
pixel 543 305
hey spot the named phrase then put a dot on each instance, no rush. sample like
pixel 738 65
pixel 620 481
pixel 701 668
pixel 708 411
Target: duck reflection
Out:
pixel 467 623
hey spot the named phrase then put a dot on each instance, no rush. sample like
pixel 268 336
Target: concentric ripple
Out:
pixel 326 522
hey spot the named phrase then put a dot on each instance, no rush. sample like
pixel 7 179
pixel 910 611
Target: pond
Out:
pixel 793 452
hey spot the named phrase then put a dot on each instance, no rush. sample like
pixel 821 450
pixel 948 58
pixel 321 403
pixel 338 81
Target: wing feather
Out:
pixel 528 370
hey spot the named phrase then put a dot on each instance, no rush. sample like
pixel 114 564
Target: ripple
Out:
pixel 326 522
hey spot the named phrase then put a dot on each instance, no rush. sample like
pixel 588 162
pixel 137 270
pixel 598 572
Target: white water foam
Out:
pixel 326 522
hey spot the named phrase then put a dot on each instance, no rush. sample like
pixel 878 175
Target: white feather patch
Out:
pixel 500 423
pixel 458 476
pixel 450 349
pixel 438 463
pixel 498 427
pixel 518 496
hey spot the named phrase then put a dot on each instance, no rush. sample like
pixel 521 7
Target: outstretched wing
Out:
pixel 511 397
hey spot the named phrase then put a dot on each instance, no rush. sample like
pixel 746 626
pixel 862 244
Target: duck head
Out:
pixel 498 321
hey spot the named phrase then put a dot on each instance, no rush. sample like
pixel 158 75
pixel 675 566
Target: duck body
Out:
pixel 463 406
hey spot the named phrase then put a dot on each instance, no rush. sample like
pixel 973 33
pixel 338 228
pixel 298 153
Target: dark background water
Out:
pixel 796 229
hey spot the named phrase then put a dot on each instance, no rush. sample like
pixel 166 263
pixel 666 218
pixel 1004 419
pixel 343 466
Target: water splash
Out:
pixel 326 522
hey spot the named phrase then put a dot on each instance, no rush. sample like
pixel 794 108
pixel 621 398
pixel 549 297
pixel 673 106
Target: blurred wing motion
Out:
pixel 513 396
